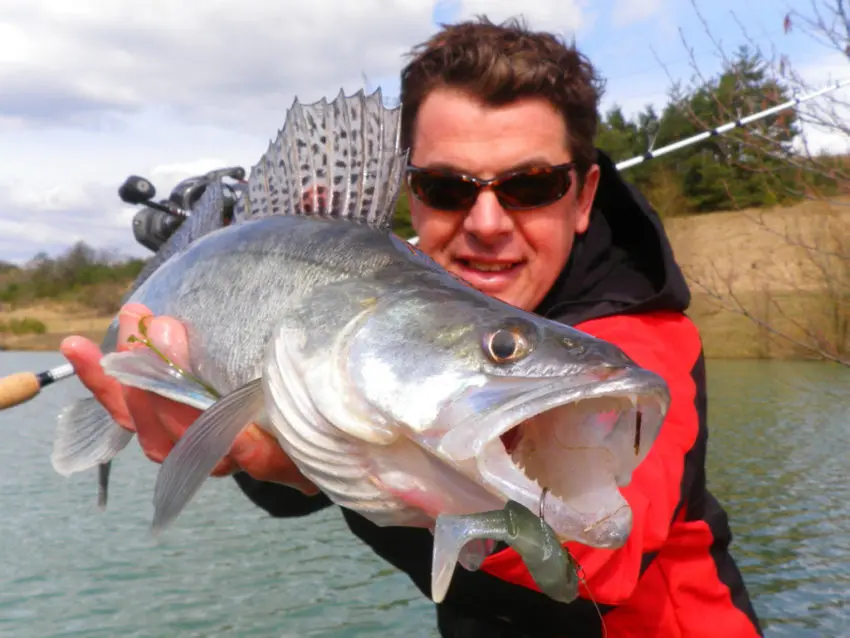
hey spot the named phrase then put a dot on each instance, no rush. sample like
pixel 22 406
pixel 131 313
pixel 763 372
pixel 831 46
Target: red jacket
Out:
pixel 675 576
pixel 669 579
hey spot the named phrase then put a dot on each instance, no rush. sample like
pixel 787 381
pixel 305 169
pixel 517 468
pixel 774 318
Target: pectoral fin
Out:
pixel 85 436
pixel 147 370
pixel 200 449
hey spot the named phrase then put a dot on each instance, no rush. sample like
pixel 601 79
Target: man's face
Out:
pixel 514 256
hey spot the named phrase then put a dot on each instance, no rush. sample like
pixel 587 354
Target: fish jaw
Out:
pixel 575 443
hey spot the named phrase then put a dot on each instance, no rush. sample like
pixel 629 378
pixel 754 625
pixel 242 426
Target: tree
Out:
pixel 799 291
pixel 402 225
pixel 709 175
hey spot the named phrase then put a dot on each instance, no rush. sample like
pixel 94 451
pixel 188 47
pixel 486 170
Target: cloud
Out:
pixel 51 219
pixel 203 60
pixel 95 90
pixel 626 12
pixel 26 99
pixel 565 17
pixel 67 63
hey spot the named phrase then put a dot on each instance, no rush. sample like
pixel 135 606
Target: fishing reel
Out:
pixel 157 221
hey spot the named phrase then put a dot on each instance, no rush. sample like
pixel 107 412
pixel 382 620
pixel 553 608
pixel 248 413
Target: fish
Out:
pixel 86 434
pixel 549 563
pixel 397 388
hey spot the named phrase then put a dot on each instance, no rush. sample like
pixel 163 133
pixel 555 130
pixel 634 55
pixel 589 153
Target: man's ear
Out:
pixel 584 202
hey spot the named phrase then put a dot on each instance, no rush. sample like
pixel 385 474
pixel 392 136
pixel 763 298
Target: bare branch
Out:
pixel 803 282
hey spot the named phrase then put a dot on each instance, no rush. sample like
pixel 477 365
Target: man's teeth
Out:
pixel 489 267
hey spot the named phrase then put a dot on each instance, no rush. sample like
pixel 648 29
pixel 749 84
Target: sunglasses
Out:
pixel 517 190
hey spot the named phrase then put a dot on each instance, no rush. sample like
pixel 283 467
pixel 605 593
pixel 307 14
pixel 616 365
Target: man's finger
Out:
pixel 153 437
pixel 175 418
pixel 169 337
pixel 129 318
pixel 85 356
pixel 260 455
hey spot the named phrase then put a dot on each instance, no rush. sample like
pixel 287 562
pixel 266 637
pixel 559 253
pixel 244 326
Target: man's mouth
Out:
pixel 488 266
pixel 491 277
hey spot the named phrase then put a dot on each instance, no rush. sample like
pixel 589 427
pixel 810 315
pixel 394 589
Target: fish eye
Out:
pixel 505 345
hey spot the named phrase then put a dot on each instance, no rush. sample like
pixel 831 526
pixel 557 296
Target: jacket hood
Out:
pixel 622 264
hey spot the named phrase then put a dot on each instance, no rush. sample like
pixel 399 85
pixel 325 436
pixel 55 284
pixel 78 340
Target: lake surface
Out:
pixel 780 436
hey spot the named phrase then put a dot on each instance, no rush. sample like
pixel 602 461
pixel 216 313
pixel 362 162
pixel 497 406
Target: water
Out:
pixel 778 461
pixel 778 454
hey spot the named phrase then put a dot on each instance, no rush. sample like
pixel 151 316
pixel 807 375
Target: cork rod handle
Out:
pixel 17 388
pixel 23 386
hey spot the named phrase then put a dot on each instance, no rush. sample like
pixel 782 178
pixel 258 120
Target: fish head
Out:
pixel 530 409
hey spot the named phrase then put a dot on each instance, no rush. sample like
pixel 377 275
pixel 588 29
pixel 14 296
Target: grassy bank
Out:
pixel 60 319
pixel 732 335
pixel 777 266
pixel 726 334
pixel 768 283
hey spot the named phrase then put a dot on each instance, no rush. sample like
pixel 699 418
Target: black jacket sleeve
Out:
pixel 278 500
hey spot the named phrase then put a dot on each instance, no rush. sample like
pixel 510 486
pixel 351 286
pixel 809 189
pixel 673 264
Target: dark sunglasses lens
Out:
pixel 533 189
pixel 442 192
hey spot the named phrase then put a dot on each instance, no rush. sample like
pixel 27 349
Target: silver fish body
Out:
pixel 378 380
pixel 232 286
pixel 390 383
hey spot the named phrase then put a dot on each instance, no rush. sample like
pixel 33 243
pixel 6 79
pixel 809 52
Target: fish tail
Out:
pixel 339 159
pixel 86 435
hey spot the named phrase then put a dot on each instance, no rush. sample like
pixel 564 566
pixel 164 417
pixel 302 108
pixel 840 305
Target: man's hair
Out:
pixel 499 64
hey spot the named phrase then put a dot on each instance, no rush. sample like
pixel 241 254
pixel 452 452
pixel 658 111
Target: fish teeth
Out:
pixel 517 458
pixel 523 458
pixel 488 267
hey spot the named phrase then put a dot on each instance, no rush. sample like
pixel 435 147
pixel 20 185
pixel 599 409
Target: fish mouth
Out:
pixel 560 447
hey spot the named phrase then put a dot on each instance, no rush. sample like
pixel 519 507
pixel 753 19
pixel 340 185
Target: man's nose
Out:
pixel 487 221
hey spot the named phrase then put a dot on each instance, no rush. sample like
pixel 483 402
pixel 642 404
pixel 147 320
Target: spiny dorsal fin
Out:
pixel 339 160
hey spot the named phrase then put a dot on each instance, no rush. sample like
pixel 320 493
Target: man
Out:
pixel 508 192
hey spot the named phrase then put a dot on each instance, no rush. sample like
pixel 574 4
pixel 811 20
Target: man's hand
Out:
pixel 160 422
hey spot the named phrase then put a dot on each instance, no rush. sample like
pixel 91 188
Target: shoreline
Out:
pixel 725 334
pixel 759 261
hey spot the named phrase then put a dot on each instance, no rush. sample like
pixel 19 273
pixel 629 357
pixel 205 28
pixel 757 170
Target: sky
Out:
pixel 92 91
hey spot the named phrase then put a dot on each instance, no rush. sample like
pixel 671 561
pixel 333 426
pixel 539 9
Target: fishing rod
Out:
pixel 23 386
pixel 725 128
